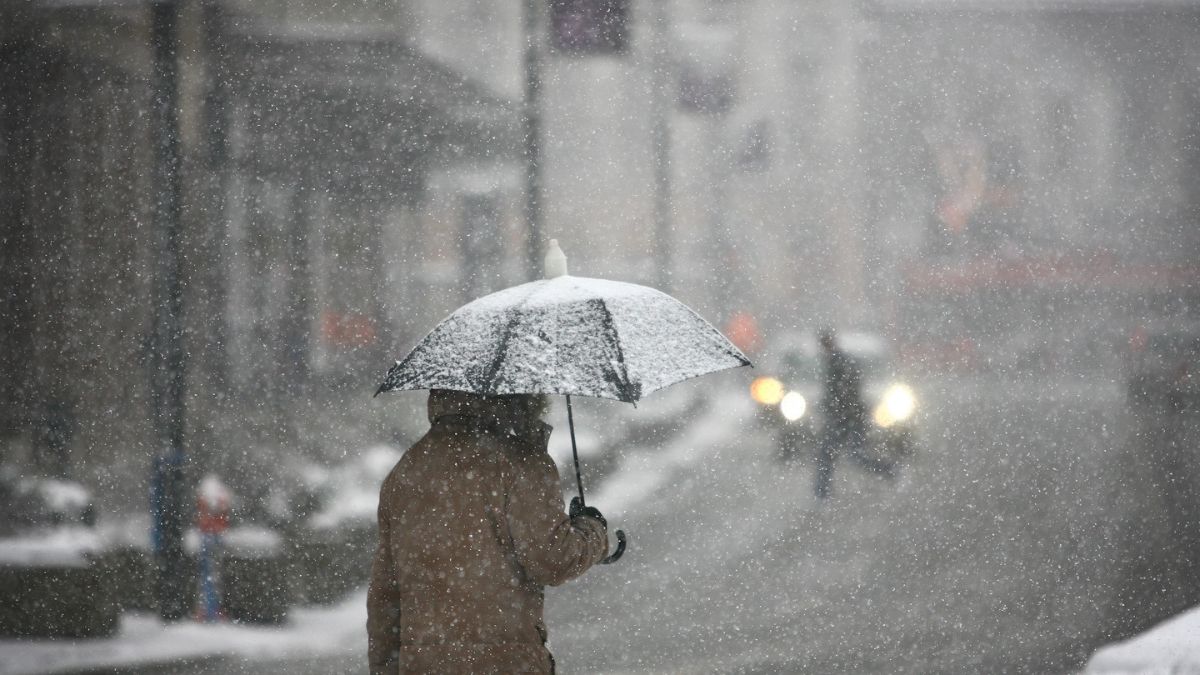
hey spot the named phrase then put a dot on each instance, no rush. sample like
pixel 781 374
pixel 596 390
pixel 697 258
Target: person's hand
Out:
pixel 578 509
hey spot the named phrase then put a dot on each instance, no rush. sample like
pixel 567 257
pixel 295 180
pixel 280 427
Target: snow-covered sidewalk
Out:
pixel 143 640
pixel 1170 648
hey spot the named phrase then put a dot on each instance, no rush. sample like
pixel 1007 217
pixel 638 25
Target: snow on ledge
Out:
pixel 245 541
pixel 57 547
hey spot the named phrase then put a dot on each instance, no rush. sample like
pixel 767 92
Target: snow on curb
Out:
pixel 645 470
pixel 143 640
pixel 1170 648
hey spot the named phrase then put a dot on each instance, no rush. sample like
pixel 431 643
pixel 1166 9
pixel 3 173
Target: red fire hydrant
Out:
pixel 212 520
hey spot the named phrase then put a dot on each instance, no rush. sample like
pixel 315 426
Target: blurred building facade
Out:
pixel 307 150
pixel 994 177
pixel 352 171
pixel 1033 176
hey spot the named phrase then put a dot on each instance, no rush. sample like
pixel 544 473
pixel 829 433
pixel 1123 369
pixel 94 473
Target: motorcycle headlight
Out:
pixel 793 406
pixel 766 390
pixel 898 404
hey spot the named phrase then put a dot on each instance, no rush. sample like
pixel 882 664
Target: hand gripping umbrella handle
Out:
pixel 616 555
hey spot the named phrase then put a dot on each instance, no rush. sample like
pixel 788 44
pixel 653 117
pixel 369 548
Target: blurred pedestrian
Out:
pixel 845 416
pixel 471 531
pixel 212 520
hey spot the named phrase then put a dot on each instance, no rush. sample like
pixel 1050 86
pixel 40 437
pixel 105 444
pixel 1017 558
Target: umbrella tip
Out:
pixel 556 261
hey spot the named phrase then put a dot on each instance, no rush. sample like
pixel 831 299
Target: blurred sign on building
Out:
pixel 584 27
pixel 707 72
pixel 347 329
pixel 743 331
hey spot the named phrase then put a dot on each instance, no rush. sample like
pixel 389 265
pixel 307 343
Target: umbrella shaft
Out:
pixel 575 450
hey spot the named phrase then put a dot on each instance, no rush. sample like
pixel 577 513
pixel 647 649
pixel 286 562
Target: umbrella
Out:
pixel 567 335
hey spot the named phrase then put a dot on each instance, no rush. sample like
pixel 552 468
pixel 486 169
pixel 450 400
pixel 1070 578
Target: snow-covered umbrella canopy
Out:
pixel 566 335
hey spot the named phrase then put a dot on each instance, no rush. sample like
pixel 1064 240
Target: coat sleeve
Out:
pixel 383 599
pixel 551 548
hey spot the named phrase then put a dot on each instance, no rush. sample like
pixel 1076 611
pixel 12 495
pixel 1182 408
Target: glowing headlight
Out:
pixel 766 390
pixel 898 404
pixel 793 406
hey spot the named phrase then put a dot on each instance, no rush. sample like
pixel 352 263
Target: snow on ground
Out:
pixel 1171 648
pixel 645 470
pixel 143 640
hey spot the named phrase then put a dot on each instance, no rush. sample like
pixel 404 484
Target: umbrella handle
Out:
pixel 575 450
pixel 616 555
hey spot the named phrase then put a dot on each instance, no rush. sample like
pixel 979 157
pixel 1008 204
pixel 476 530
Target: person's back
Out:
pixel 843 411
pixel 471 530
pixel 842 400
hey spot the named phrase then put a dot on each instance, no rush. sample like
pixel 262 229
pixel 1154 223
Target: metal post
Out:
pixel 533 150
pixel 720 241
pixel 214 24
pixel 661 104
pixel 171 507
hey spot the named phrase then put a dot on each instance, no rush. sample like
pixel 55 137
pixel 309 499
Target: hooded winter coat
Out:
pixel 471 531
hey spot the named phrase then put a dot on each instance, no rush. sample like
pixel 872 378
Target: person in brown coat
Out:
pixel 471 531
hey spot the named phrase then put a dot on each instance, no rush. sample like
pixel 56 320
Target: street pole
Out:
pixel 661 103
pixel 721 253
pixel 171 510
pixel 533 150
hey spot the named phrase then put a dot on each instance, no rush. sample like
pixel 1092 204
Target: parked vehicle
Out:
pixel 789 395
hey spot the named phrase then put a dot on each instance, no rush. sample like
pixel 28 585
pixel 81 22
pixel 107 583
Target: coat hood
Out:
pixel 447 403
pixel 513 413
